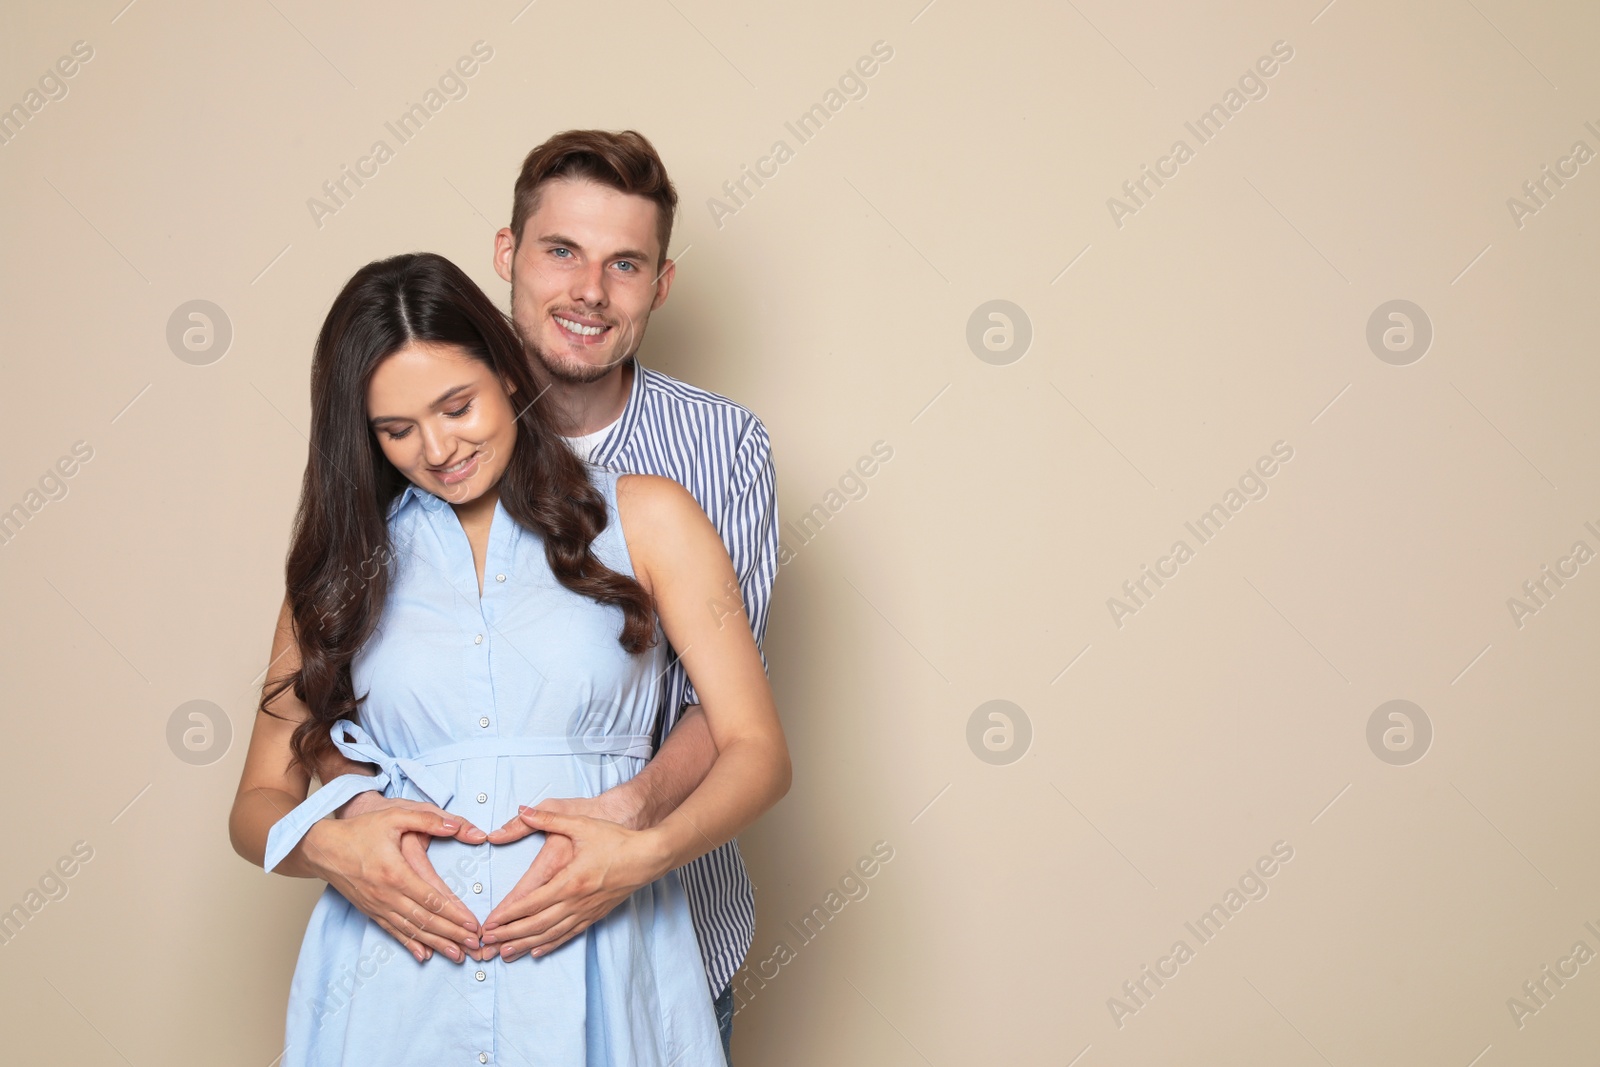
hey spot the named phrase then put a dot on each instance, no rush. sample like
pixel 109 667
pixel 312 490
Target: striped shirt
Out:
pixel 720 452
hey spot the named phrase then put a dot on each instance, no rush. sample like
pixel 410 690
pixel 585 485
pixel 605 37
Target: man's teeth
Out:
pixel 585 331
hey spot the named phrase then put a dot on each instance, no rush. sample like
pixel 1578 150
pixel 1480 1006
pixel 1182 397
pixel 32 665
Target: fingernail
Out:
pixel 450 827
pixel 488 939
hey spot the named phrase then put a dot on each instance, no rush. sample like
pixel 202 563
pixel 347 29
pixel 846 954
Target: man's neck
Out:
pixel 583 409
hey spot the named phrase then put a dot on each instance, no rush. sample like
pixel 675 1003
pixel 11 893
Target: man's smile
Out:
pixel 580 330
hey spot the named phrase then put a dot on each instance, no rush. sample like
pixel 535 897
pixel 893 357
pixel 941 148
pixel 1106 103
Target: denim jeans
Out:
pixel 724 1006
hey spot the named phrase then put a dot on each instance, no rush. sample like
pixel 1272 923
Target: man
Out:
pixel 586 258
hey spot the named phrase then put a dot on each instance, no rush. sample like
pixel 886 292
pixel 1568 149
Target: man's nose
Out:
pixel 589 285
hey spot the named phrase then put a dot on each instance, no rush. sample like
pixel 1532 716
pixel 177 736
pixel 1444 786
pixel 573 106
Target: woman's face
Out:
pixel 443 419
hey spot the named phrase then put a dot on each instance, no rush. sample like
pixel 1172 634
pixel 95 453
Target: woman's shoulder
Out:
pixel 654 498
pixel 658 516
pixel 649 488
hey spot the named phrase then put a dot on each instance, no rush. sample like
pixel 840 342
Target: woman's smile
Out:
pixel 458 472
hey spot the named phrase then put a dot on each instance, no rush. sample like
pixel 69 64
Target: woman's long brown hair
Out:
pixel 338 570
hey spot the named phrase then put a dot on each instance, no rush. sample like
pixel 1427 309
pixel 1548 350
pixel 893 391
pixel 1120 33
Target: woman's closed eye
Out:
pixel 456 414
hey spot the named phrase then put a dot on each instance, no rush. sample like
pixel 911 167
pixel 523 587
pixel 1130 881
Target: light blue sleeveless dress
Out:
pixel 480 705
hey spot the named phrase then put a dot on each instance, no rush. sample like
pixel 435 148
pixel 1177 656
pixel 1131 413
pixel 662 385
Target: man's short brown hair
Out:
pixel 624 160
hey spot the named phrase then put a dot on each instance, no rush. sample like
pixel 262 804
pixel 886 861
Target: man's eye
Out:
pixel 628 265
pixel 561 252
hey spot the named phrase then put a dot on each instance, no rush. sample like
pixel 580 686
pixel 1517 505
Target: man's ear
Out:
pixel 505 249
pixel 669 270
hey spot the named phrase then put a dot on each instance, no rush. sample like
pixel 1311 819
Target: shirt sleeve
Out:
pixel 750 531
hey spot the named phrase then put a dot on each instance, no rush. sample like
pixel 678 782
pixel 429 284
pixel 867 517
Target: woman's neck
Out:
pixel 478 511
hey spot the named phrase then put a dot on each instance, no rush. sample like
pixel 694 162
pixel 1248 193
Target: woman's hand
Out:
pixel 375 855
pixel 587 866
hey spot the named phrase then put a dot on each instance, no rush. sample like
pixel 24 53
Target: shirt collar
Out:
pixel 632 412
pixel 414 492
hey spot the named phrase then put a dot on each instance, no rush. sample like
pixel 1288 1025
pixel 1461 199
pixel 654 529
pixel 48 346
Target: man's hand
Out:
pixel 589 863
pixel 375 854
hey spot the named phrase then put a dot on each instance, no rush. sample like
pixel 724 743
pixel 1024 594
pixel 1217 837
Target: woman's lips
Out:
pixel 451 477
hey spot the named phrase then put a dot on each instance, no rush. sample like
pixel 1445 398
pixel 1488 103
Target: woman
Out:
pixel 432 469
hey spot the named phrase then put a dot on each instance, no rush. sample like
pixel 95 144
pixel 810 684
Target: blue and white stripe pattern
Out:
pixel 720 452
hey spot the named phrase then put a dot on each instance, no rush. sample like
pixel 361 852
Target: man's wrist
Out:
pixel 627 804
pixel 359 804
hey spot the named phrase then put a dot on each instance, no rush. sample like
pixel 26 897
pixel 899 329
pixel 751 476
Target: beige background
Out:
pixel 1166 755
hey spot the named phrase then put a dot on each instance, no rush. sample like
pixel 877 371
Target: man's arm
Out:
pixel 750 532
pixel 332 765
pixel 673 772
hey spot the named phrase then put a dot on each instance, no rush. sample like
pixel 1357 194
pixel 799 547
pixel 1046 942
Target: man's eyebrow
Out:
pixel 442 397
pixel 567 242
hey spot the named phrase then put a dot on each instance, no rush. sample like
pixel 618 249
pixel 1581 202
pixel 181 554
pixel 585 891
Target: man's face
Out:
pixel 584 277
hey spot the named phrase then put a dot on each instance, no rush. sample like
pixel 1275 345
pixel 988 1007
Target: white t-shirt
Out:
pixel 584 446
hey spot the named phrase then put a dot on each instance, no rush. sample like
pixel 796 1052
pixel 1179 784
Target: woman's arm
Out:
pixel 360 856
pixel 678 556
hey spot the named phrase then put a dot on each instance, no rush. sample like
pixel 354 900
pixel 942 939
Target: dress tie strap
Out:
pixel 353 741
pixel 356 744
